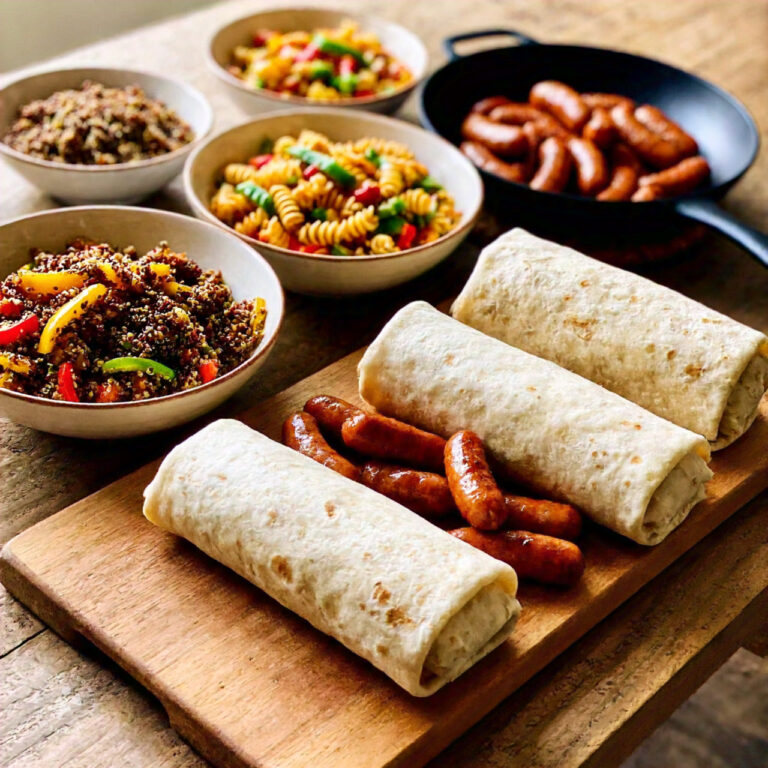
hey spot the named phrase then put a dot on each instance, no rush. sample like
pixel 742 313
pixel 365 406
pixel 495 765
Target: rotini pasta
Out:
pixel 325 65
pixel 311 194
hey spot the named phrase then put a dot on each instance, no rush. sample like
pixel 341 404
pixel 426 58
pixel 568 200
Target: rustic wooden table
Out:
pixel 602 697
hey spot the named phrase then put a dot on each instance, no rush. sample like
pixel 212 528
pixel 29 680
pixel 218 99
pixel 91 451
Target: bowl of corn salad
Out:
pixel 313 57
pixel 121 321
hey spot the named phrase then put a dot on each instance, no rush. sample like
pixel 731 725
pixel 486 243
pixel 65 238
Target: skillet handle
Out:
pixel 711 214
pixel 450 42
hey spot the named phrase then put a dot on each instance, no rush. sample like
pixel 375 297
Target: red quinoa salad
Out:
pixel 96 325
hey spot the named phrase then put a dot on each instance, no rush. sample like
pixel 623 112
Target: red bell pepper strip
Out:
pixel 312 51
pixel 66 383
pixel 17 331
pixel 364 93
pixel 368 194
pixel 348 65
pixel 259 160
pixel 209 369
pixel 310 171
pixel 407 236
pixel 293 243
pixel 10 308
pixel 310 248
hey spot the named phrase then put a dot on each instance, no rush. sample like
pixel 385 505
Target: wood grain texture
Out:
pixel 40 474
pixel 202 640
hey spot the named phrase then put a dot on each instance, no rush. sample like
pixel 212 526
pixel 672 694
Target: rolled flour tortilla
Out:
pixel 545 427
pixel 417 603
pixel 670 354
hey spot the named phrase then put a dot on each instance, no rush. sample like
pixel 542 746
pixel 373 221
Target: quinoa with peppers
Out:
pixel 96 325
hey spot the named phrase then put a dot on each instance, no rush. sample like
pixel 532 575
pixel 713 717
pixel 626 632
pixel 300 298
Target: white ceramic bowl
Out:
pixel 396 40
pixel 121 183
pixel 244 271
pixel 340 275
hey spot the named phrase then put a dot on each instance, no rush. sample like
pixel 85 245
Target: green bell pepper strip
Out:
pixel 258 195
pixel 430 184
pixel 372 155
pixel 321 70
pixel 394 206
pixel 340 250
pixel 345 84
pixel 391 226
pixel 335 48
pixel 318 214
pixel 324 163
pixel 265 146
pixel 141 364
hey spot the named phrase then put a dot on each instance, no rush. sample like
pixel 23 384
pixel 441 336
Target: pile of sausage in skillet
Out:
pixel 441 480
pixel 599 145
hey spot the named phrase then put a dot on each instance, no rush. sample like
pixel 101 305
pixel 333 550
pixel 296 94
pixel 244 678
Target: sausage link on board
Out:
pixel 474 490
pixel 483 158
pixel 383 438
pixel 331 412
pixel 562 102
pixel 425 493
pixel 504 140
pixel 300 432
pixel 542 516
pixel 532 555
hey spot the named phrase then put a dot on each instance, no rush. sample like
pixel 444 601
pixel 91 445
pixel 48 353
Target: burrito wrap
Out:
pixel 544 427
pixel 683 361
pixel 417 603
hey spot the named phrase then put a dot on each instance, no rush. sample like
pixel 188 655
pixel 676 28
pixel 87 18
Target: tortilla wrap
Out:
pixel 544 427
pixel 664 351
pixel 417 603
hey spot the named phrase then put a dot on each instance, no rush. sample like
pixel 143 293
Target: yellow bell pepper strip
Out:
pixel 140 364
pixel 324 163
pixel 49 283
pixel 172 288
pixel 16 363
pixel 10 334
pixel 258 316
pixel 65 314
pixel 65 380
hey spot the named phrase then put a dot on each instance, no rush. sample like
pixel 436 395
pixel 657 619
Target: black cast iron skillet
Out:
pixel 722 126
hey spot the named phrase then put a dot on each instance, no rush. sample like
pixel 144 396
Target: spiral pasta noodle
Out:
pixel 312 194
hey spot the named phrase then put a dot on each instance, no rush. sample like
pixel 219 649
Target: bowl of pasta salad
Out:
pixel 337 203
pixel 313 57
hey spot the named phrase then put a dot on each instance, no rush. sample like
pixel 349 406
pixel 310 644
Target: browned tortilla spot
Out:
pixel 281 567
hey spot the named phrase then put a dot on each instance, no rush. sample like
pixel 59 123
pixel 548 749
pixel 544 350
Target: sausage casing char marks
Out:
pixel 562 102
pixel 474 490
pixel 425 493
pixel 532 555
pixel 301 432
pixel 554 166
pixel 484 159
pixel 501 139
pixel 331 412
pixel 383 438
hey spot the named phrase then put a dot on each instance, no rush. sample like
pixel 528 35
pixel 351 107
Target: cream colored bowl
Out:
pixel 120 183
pixel 396 40
pixel 340 275
pixel 244 271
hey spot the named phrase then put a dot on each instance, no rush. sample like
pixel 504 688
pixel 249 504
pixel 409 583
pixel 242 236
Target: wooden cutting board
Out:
pixel 249 684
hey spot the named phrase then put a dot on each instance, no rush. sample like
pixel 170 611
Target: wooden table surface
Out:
pixel 604 695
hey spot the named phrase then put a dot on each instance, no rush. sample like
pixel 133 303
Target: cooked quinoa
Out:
pixel 97 125
pixel 142 325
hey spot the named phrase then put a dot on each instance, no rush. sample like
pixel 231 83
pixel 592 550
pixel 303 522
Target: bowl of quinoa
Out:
pixel 100 135
pixel 119 321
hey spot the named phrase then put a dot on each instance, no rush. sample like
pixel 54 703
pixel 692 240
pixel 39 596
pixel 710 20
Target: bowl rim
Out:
pixel 202 209
pixel 256 355
pixel 115 167
pixel 303 101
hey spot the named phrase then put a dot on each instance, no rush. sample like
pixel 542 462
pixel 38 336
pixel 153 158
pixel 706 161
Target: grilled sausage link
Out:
pixel 487 105
pixel 542 516
pixel 600 129
pixel 606 100
pixel 515 113
pixel 532 555
pixel 300 432
pixel 331 412
pixel 383 438
pixel 425 493
pixel 562 102
pixel 649 146
pixel 554 166
pixel 473 488
pixel 591 168
pixel 503 140
pixel 483 158
pixel 654 119
pixel 679 179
